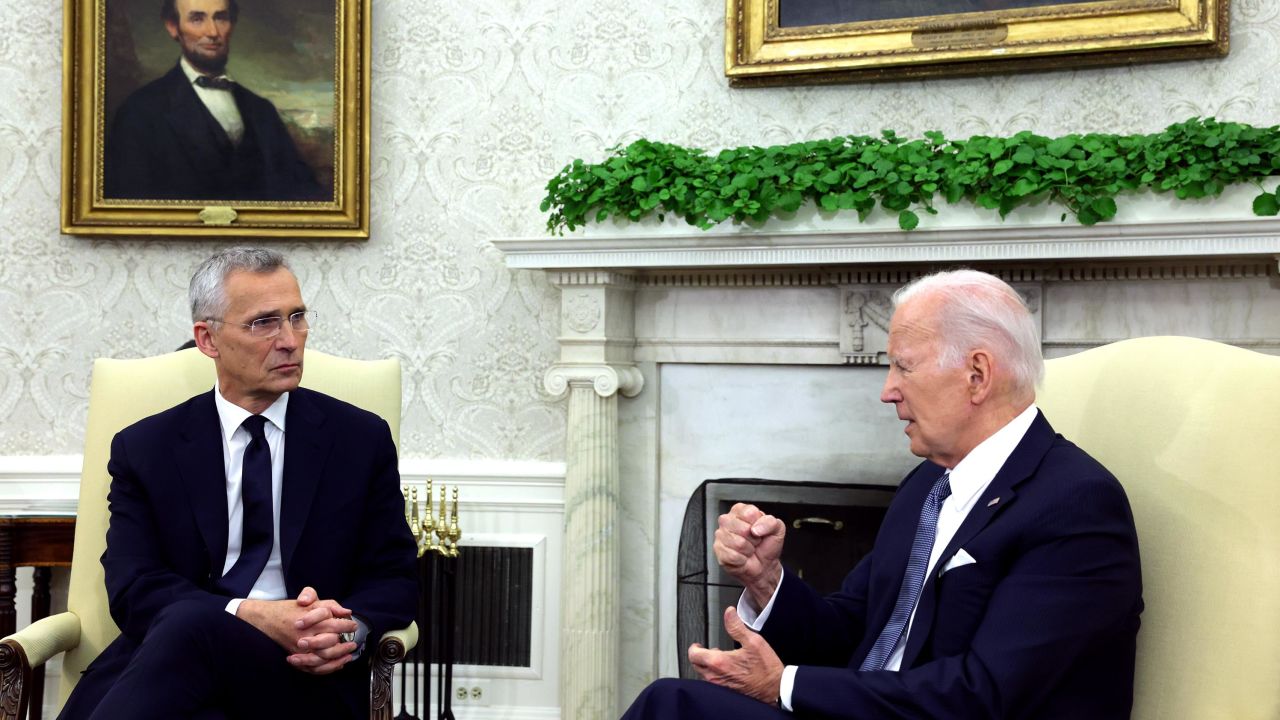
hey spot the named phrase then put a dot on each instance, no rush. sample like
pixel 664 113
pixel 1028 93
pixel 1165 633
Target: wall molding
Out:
pixel 51 483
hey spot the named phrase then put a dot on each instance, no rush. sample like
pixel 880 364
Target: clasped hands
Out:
pixel 307 627
pixel 748 545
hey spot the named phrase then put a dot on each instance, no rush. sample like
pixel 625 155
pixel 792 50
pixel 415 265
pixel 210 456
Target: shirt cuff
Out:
pixel 788 684
pixel 748 614
pixel 234 606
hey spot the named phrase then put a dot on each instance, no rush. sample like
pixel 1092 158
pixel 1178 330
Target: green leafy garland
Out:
pixel 1084 173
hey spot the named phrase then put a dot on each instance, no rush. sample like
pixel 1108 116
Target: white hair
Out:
pixel 208 290
pixel 981 310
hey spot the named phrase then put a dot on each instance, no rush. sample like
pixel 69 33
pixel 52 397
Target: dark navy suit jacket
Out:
pixel 1043 625
pixel 165 144
pixel 342 527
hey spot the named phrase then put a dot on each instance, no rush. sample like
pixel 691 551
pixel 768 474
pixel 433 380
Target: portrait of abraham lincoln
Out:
pixel 216 101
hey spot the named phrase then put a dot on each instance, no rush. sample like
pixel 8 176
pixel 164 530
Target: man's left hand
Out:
pixel 753 670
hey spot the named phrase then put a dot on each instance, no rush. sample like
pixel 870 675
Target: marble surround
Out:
pixel 758 352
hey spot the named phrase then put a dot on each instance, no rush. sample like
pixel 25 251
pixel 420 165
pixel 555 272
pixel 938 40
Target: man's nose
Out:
pixel 288 337
pixel 889 393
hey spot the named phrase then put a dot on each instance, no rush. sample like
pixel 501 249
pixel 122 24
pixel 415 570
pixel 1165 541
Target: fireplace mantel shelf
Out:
pixel 1240 238
pixel 1147 227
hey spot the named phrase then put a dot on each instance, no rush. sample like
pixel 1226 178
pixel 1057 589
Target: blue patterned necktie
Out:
pixel 913 580
pixel 259 526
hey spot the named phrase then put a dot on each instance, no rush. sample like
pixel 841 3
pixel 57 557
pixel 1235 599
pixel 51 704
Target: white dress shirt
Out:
pixel 969 479
pixel 220 103
pixel 270 584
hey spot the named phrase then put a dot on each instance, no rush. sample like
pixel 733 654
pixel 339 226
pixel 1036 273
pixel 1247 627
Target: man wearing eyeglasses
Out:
pixel 257 535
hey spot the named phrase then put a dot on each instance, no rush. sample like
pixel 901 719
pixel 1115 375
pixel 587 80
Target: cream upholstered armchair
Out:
pixel 121 393
pixel 1190 427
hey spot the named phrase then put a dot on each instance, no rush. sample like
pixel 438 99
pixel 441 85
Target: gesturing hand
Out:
pixel 748 544
pixel 753 669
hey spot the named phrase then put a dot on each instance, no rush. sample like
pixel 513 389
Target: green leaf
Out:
pixel 908 220
pixel 1061 146
pixel 639 185
pixel 1266 205
pixel 1024 155
pixel 1104 207
pixel 1024 187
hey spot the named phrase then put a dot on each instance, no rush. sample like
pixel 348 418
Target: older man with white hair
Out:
pixel 1005 580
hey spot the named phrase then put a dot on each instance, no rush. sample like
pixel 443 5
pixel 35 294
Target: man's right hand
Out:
pixel 748 546
pixel 288 621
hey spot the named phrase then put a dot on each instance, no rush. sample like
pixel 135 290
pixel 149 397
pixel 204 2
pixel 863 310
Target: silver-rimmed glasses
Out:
pixel 269 327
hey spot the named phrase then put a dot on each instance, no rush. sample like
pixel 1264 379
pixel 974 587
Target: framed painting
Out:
pixel 216 118
pixel 792 42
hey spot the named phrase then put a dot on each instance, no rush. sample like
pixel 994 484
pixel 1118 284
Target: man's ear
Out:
pixel 205 340
pixel 978 367
pixel 172 27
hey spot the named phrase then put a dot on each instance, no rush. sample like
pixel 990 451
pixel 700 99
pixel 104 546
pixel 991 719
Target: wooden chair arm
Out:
pixel 392 649
pixel 32 647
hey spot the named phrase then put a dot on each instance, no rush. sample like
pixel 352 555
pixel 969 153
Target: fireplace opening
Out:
pixel 830 526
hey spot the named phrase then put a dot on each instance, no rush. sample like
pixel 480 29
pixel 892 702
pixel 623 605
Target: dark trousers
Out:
pixel 199 661
pixel 673 699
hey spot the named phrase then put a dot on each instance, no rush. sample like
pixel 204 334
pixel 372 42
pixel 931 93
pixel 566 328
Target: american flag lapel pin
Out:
pixel 994 500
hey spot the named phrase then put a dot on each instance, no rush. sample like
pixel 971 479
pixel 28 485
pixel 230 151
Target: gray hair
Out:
pixel 979 309
pixel 208 289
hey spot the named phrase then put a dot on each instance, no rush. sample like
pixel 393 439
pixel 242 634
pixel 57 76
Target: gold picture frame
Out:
pixel 797 42
pixel 142 155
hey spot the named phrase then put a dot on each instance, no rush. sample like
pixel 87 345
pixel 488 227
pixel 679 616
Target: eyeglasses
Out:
pixel 269 327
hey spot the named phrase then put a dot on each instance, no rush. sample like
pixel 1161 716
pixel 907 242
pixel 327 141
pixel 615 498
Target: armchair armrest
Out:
pixel 31 647
pixel 50 636
pixel 392 649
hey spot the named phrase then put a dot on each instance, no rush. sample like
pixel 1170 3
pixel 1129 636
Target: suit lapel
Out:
pixel 199 460
pixel 1020 466
pixel 307 445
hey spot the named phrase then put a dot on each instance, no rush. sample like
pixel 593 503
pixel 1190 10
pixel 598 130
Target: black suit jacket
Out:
pixel 342 527
pixel 1043 625
pixel 165 144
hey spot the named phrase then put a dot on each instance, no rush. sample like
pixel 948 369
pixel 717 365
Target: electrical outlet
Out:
pixel 474 692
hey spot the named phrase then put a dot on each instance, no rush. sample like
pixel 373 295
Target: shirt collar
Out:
pixel 232 416
pixel 193 73
pixel 976 471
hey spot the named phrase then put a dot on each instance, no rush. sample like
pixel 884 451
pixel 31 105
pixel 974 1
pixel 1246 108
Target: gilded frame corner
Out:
pixel 761 51
pixel 85 210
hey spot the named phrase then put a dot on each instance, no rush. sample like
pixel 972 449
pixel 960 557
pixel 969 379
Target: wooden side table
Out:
pixel 42 542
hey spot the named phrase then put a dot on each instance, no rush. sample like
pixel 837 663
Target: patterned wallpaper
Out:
pixel 476 104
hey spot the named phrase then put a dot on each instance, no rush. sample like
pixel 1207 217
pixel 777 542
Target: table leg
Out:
pixel 39 609
pixel 8 586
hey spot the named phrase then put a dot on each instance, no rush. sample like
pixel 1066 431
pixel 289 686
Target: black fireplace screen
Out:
pixel 830 526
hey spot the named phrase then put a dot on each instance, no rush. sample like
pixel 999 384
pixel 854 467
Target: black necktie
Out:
pixel 259 530
pixel 222 82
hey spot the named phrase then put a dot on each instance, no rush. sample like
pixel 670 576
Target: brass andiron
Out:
pixel 433 535
pixel 437 537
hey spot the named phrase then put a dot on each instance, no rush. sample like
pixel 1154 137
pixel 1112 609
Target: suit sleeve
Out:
pixel 140 583
pixel 1076 580
pixel 385 587
pixel 807 629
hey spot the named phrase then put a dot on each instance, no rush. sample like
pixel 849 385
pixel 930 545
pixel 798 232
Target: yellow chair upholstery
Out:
pixel 1190 427
pixel 123 392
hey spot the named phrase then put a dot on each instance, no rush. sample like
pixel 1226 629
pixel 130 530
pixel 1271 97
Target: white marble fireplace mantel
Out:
pixel 756 352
